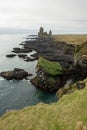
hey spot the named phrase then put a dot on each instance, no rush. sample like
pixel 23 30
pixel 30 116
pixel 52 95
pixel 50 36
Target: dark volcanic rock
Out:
pixel 22 55
pixel 52 50
pixel 45 85
pixel 21 50
pixel 16 74
pixel 36 55
pixel 49 75
pixel 10 55
pixel 30 74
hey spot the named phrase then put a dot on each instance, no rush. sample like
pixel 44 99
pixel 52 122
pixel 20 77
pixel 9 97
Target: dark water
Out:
pixel 18 94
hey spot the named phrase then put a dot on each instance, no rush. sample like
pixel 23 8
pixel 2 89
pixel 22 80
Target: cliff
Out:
pixel 69 113
pixel 48 75
pixel 51 68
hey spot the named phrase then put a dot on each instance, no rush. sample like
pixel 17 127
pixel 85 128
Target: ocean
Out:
pixel 18 94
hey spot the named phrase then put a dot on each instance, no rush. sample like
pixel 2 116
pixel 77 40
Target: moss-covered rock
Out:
pixel 48 75
pixel 51 68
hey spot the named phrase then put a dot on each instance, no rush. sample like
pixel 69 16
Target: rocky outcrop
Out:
pixel 22 50
pixel 68 55
pixel 49 75
pixel 47 83
pixel 72 58
pixel 35 55
pixel 45 35
pixel 54 51
pixel 10 55
pixel 22 55
pixel 16 74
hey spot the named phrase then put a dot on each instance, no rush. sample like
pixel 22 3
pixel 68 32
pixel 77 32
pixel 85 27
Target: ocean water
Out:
pixel 18 94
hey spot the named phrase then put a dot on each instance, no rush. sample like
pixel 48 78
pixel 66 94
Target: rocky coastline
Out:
pixel 68 55
pixel 72 59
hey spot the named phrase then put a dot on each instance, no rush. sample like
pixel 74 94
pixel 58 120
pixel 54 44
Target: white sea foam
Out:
pixel 1 78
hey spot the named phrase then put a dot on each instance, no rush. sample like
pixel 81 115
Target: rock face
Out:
pixel 49 75
pixel 16 74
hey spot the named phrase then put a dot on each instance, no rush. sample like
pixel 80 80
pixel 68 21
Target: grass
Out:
pixel 62 115
pixel 83 50
pixel 52 68
pixel 73 39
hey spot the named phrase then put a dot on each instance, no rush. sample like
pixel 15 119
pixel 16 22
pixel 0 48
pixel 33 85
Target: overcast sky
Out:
pixel 61 15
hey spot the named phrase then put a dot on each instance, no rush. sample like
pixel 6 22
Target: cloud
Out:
pixel 60 15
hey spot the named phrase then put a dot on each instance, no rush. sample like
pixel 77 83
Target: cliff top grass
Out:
pixel 52 68
pixel 83 49
pixel 72 39
pixel 63 115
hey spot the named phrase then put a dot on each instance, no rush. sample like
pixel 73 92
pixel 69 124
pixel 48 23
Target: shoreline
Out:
pixel 57 114
pixel 64 52
pixel 34 47
pixel 29 92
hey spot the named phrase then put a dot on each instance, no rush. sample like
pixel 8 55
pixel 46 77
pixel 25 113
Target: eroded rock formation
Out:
pixel 49 75
pixel 16 74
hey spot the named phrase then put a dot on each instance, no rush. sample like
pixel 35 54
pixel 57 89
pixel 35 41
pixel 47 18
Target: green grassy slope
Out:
pixel 52 68
pixel 62 115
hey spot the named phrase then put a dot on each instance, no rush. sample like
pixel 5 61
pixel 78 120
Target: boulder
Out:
pixel 21 50
pixel 30 74
pixel 10 55
pixel 22 55
pixel 16 74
